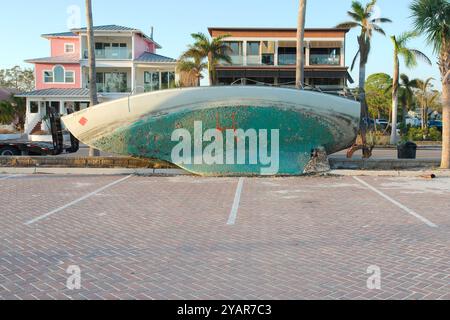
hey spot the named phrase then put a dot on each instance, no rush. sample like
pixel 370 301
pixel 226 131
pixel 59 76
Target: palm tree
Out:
pixel 407 87
pixel 363 18
pixel 300 71
pixel 410 57
pixel 191 70
pixel 92 70
pixel 215 50
pixel 431 17
pixel 423 87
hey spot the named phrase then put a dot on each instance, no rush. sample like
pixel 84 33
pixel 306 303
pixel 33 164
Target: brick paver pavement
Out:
pixel 168 238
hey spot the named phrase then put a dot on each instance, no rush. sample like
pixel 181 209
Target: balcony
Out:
pixel 111 54
pixel 325 59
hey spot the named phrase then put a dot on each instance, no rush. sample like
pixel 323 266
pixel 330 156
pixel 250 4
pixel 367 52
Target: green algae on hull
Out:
pixel 300 131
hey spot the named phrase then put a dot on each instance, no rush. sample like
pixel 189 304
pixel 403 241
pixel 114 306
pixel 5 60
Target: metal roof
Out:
pixel 57 93
pixel 110 27
pixel 116 28
pixel 69 58
pixel 60 34
pixel 148 57
pixel 275 29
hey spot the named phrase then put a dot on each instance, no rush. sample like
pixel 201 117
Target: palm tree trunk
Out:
pixel 92 70
pixel 445 164
pixel 405 109
pixel 394 138
pixel 364 109
pixel 211 70
pixel 300 71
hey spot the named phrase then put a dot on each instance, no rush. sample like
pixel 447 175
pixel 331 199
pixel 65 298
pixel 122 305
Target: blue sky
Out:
pixel 23 22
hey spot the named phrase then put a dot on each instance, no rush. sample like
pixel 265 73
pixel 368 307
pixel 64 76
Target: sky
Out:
pixel 23 21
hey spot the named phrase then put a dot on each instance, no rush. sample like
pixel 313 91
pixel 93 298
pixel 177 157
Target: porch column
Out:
pixel 133 78
pixel 276 53
pixel 244 52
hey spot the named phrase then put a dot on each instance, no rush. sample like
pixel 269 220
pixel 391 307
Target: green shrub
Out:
pixel 418 134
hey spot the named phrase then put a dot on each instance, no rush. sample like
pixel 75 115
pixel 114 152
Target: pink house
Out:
pixel 126 60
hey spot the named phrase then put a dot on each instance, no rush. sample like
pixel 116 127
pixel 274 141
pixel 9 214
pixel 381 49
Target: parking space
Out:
pixel 207 238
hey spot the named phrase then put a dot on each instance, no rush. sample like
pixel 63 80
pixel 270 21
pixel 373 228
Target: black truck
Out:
pixel 54 148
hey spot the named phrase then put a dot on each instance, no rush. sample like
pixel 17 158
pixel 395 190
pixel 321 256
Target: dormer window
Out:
pixel 69 48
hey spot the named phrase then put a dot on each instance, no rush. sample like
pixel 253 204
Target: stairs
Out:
pixel 36 128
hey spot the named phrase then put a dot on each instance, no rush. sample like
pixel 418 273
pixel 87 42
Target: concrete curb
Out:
pixel 177 172
pixel 390 173
pixel 384 164
pixel 93 171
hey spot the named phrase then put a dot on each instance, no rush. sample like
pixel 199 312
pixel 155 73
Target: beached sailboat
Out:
pixel 234 130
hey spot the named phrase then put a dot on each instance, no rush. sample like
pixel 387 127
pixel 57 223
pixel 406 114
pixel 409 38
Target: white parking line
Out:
pixel 398 204
pixel 11 177
pixel 237 199
pixel 45 216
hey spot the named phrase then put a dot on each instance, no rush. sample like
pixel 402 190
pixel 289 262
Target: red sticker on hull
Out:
pixel 83 121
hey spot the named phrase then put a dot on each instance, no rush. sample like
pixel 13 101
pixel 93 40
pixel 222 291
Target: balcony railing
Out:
pixel 111 54
pixel 253 60
pixel 237 60
pixel 113 88
pixel 324 59
pixel 287 59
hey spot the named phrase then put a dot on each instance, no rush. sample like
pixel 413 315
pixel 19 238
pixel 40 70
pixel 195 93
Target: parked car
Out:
pixel 413 122
pixel 381 123
pixel 435 124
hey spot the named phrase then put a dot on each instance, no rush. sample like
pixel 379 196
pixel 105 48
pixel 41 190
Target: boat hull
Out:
pixel 253 130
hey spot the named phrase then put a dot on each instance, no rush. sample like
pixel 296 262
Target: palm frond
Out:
pixel 348 25
pixel 381 20
pixel 421 56
pixel 354 60
pixel 378 29
pixel 358 9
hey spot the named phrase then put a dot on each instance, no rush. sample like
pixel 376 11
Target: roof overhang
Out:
pixel 276 32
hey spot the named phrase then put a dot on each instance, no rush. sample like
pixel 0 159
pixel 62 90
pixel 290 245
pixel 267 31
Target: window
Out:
pixel 69 48
pixel 58 74
pixel 34 107
pixel 268 59
pixel 325 56
pixel 164 80
pixel 236 48
pixel 253 48
pixel 154 81
pixel 70 77
pixel 48 76
pixel 112 82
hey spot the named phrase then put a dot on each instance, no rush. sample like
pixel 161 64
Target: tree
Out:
pixel 300 69
pixel 423 95
pixel 377 94
pixel 17 78
pixel 406 96
pixel 13 111
pixel 431 17
pixel 214 50
pixel 363 18
pixel 92 69
pixel 410 57
pixel 191 69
